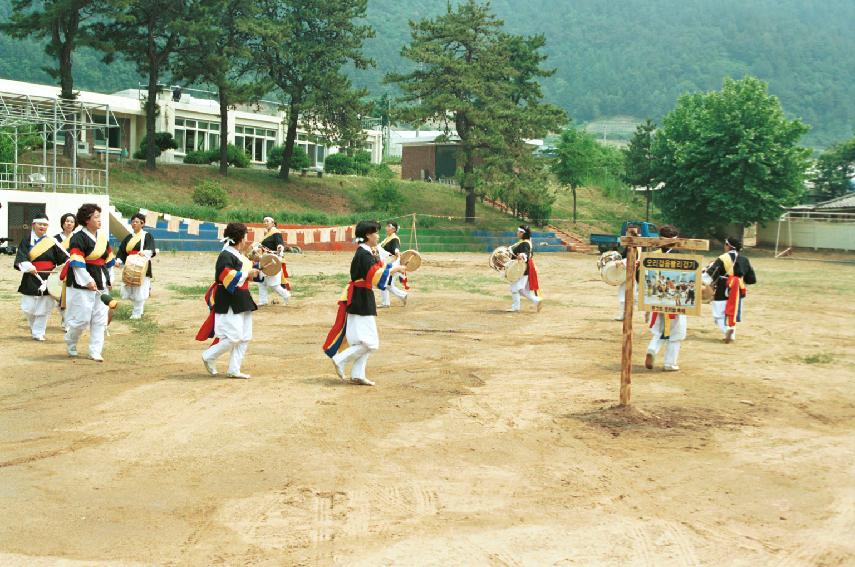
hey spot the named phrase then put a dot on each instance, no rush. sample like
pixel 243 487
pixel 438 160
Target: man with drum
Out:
pixel 390 251
pixel 136 278
pixel 273 242
pixel 88 279
pixel 729 275
pixel 528 284
pixel 37 256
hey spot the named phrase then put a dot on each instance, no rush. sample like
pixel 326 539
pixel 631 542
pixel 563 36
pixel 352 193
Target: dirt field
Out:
pixel 490 439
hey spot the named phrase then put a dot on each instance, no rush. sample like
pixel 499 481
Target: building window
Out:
pixel 256 142
pixel 196 135
pixel 101 135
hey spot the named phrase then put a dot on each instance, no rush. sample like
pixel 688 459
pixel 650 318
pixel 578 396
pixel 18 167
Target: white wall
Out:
pixel 56 205
pixel 810 234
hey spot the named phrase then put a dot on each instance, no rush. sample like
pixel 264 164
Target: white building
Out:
pixel 193 121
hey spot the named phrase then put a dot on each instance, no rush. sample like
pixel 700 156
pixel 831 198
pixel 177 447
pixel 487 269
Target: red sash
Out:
pixel 43 265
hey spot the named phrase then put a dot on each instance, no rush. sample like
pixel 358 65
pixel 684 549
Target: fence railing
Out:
pixel 814 215
pixel 26 177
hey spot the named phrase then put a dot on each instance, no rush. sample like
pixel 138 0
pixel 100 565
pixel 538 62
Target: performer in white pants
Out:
pixel 390 252
pixel 229 322
pixel 90 261
pixel 354 335
pixel 729 274
pixel 666 329
pixel 528 285
pixel 68 223
pixel 38 254
pixel 277 283
pixel 141 243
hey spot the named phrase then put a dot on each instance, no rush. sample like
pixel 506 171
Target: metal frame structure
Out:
pixel 49 116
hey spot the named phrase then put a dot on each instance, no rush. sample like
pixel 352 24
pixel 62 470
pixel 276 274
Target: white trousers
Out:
pixel 37 309
pixel 84 309
pixel 234 331
pixel 272 283
pixel 720 318
pixel 520 287
pixel 392 289
pixel 362 340
pixel 137 295
pixel 672 344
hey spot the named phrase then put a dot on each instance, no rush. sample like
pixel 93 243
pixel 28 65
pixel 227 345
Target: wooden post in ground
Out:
pixel 631 241
pixel 629 300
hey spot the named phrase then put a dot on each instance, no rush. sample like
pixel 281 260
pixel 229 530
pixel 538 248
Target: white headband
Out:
pixel 268 219
pixel 41 219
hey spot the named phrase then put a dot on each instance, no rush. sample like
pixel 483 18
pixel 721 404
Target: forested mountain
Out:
pixel 621 57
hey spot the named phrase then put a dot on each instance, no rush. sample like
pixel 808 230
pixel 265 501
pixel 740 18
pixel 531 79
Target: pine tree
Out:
pixel 638 160
pixel 481 84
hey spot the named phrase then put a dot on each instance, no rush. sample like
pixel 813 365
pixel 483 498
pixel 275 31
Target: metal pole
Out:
pixel 107 155
pixel 54 146
pixel 15 164
pixel 74 180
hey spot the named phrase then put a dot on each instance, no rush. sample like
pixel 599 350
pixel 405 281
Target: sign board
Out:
pixel 670 283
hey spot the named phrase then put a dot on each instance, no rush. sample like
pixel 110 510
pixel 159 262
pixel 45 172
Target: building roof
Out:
pixel 843 202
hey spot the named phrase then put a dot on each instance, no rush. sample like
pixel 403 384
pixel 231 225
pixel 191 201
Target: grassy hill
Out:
pixel 336 199
pixel 253 193
pixel 339 199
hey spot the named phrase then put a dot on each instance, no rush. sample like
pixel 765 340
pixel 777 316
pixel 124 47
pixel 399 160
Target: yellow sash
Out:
pixel 727 261
pixel 42 246
pixel 271 232
pixel 135 239
pixel 66 242
pixel 389 239
pixel 100 246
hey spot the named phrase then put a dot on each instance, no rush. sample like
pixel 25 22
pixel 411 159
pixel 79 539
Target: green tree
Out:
pixel 62 24
pixel 729 156
pixel 145 32
pixel 305 46
pixel 639 162
pixel 835 169
pixel 481 84
pixel 218 36
pixel 576 157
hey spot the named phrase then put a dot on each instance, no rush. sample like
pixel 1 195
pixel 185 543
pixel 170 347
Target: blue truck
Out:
pixel 606 242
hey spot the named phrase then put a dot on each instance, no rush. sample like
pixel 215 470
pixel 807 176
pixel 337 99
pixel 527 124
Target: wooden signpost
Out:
pixel 632 241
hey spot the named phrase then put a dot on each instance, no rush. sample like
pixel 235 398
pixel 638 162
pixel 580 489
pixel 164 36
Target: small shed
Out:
pixel 428 159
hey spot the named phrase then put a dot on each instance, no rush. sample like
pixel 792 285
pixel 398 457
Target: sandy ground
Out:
pixel 490 439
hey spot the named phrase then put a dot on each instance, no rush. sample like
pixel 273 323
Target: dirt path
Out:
pixel 490 438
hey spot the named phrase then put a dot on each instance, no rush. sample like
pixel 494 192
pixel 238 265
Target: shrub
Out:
pixel 209 193
pixel 198 158
pixel 237 157
pixel 381 171
pixel 162 140
pixel 384 195
pixel 362 156
pixel 339 163
pixel 299 159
